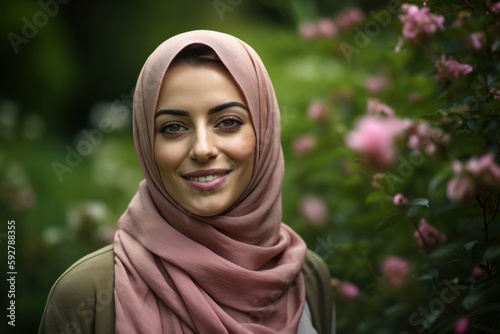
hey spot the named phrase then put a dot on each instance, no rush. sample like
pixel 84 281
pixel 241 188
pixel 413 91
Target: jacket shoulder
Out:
pixel 319 292
pixel 82 298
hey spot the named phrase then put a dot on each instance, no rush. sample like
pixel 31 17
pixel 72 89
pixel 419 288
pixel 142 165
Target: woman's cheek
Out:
pixel 169 156
pixel 243 148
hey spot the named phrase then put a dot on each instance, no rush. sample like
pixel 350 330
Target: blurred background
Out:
pixel 68 168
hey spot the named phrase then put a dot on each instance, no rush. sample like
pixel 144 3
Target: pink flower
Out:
pixel 462 325
pixel 313 209
pixel 421 135
pixel 427 235
pixel 484 166
pixel 419 22
pixel 308 30
pixel 460 189
pixel 348 291
pixel 375 107
pixel 477 40
pixel 375 84
pixel 317 111
pixel 375 138
pixel 326 27
pixel 458 167
pixel 495 8
pixel 496 95
pixel 396 270
pixel 478 272
pixel 303 144
pixel 399 200
pixel 349 18
pixel 450 69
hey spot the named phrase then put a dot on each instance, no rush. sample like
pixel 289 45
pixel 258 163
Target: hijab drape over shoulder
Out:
pixel 237 272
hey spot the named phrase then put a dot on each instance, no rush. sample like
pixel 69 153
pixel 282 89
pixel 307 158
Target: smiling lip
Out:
pixel 208 179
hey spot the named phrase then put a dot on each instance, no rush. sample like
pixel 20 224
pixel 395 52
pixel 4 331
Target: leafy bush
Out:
pixel 403 153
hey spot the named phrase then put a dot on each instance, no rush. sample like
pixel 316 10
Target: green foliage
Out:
pixel 464 116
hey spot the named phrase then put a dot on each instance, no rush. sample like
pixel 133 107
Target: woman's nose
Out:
pixel 204 147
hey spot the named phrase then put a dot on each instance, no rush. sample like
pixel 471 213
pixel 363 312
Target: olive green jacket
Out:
pixel 82 299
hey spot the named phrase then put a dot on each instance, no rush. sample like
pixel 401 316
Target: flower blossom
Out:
pixel 484 166
pixel 375 107
pixel 321 28
pixel 477 40
pixel 427 235
pixel 313 209
pixel 421 135
pixel 462 325
pixel 496 95
pixel 326 27
pixel 475 173
pixel 460 189
pixel 477 272
pixel 419 22
pixel 317 111
pixel 375 84
pixel 396 270
pixel 375 138
pixel 347 290
pixel 308 30
pixel 349 18
pixel 303 144
pixel 450 69
pixel 495 8
pixel 399 200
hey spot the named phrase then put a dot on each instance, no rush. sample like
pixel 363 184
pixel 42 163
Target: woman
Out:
pixel 201 247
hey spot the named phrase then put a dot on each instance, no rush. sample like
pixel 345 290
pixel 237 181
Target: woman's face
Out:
pixel 204 139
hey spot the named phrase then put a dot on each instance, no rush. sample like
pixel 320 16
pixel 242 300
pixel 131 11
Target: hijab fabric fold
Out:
pixel 237 272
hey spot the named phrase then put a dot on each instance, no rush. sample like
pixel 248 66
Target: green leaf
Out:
pixel 491 253
pixel 389 222
pixel 472 301
pixel 468 247
pixel 419 202
pixel 438 180
pixel 491 307
pixel 375 197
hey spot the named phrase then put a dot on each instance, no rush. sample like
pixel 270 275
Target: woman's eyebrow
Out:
pixel 175 112
pixel 225 106
pixel 213 110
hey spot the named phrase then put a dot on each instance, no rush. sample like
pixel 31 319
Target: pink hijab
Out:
pixel 238 272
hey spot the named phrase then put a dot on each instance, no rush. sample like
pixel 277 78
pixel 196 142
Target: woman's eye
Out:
pixel 230 122
pixel 172 128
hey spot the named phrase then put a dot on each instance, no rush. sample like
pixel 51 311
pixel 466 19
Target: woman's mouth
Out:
pixel 206 180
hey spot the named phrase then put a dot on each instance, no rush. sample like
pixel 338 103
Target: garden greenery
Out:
pixel 414 190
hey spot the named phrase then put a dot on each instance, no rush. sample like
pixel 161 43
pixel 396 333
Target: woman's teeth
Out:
pixel 206 178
